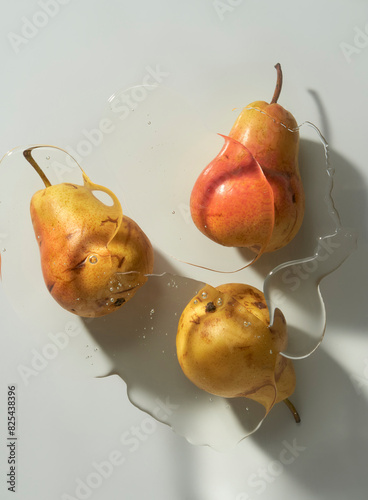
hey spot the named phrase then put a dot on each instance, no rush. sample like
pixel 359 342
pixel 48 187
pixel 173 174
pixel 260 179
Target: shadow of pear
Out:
pixel 348 283
pixel 140 338
pixel 317 218
pixel 332 437
pixel 139 341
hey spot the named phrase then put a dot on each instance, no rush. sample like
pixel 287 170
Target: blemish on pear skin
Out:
pixel 50 287
pixel 80 264
pixel 195 319
pixel 109 219
pixel 121 261
pixel 255 294
pixel 260 305
pixel 119 302
pixel 210 307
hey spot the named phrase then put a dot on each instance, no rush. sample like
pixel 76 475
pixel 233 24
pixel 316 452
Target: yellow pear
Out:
pixel 93 258
pixel 225 346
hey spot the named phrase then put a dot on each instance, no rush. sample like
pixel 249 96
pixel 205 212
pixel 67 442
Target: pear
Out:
pixel 94 259
pixel 225 346
pixel 251 195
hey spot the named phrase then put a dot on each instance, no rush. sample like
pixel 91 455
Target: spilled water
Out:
pixel 139 340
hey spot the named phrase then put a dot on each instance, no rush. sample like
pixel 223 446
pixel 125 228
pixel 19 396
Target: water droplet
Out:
pixel 152 311
pixel 149 123
pixel 219 301
pixel 270 351
pixel 111 289
pixel 247 323
pixel 195 301
pixel 173 212
pixel 210 400
pixel 4 249
pixel 93 259
pixel 47 157
pixel 112 300
pixel 204 295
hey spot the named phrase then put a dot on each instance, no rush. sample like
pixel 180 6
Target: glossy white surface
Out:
pixel 57 79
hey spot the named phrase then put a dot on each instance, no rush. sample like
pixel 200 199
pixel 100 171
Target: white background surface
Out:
pixel 55 84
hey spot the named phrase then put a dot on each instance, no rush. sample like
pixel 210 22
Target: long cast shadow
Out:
pixel 332 436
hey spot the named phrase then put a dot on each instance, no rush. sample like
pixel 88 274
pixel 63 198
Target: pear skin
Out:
pixel 270 135
pixel 226 347
pixel 233 184
pixel 93 258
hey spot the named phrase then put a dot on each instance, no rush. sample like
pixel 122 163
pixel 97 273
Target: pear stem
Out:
pixel 28 156
pixel 293 410
pixel 277 92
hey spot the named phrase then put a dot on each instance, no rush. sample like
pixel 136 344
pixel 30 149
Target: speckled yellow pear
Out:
pixel 225 346
pixel 93 258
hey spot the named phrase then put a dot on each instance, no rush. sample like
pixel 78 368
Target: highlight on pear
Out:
pixel 251 195
pixel 94 259
pixel 227 347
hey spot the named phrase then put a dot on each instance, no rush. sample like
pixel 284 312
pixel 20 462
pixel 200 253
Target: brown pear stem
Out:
pixel 293 410
pixel 277 92
pixel 28 156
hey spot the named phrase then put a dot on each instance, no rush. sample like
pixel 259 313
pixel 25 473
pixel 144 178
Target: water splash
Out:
pixel 143 351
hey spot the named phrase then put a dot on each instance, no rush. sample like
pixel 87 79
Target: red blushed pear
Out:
pixel 233 189
pixel 251 194
pixel 93 258
pixel 226 346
